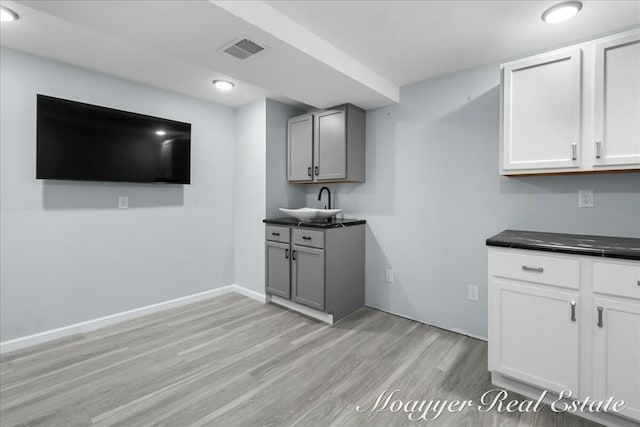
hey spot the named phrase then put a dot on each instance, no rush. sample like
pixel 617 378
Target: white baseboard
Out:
pixel 456 330
pixel 249 293
pixel 101 322
pixel 308 311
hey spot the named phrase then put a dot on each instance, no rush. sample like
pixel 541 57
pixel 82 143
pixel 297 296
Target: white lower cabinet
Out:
pixel 616 353
pixel 548 332
pixel 537 335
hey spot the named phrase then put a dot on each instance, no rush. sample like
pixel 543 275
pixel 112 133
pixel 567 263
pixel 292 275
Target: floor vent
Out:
pixel 243 49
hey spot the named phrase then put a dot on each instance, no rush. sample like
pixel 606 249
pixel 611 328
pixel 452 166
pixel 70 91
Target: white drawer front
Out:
pixel 617 279
pixel 549 270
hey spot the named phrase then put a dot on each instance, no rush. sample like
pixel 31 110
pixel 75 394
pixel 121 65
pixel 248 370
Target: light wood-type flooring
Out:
pixel 232 361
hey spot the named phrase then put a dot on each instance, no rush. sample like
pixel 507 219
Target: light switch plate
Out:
pixel 585 199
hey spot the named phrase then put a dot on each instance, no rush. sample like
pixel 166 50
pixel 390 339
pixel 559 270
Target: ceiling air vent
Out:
pixel 243 49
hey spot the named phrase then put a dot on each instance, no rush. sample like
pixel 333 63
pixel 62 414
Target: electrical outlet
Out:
pixel 123 202
pixel 473 293
pixel 586 199
pixel 389 275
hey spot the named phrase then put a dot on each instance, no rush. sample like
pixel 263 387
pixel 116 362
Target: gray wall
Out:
pixel 249 198
pixel 280 194
pixel 67 253
pixel 433 195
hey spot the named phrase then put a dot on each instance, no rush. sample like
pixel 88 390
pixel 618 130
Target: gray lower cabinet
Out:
pixel 278 279
pixel 321 269
pixel 307 276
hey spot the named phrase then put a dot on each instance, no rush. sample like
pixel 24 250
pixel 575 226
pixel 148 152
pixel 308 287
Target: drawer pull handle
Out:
pixel 275 234
pixel 293 255
pixel 286 254
pixel 573 311
pixel 306 237
pixel 534 269
pixel 600 322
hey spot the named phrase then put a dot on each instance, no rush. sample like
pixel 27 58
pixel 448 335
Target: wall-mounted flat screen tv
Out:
pixel 77 141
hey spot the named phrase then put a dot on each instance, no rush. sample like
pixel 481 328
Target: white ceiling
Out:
pixel 409 41
pixel 320 53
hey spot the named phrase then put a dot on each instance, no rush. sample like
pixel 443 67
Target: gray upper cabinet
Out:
pixel 307 274
pixel 327 146
pixel 300 148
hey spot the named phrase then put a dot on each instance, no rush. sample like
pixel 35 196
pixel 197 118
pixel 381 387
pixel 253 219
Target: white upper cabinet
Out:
pixel 542 117
pixel 575 109
pixel 617 101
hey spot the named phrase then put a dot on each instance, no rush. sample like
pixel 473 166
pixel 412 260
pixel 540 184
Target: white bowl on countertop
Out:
pixel 311 214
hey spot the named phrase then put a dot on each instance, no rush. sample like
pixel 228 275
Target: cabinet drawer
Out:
pixel 304 237
pixel 555 271
pixel 616 279
pixel 277 234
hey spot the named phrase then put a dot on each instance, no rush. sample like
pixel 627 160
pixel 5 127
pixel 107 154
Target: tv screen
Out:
pixel 77 141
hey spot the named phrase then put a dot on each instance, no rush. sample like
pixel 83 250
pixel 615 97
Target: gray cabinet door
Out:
pixel 278 279
pixel 330 149
pixel 300 148
pixel 307 276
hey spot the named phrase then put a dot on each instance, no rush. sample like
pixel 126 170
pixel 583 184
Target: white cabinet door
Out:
pixel 617 102
pixel 535 335
pixel 616 353
pixel 542 112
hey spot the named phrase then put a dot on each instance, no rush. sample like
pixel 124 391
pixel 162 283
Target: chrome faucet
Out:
pixel 328 196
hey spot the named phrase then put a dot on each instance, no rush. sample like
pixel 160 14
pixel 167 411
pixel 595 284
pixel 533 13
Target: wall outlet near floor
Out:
pixel 123 202
pixel 388 277
pixel 585 199
pixel 473 293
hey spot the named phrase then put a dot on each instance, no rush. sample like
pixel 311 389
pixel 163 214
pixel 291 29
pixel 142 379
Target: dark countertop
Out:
pixel 577 244
pixel 333 223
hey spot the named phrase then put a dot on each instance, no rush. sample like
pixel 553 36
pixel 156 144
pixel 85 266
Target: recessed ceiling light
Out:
pixel 223 85
pixel 160 132
pixel 561 12
pixel 7 15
